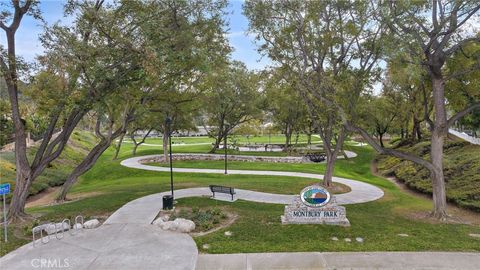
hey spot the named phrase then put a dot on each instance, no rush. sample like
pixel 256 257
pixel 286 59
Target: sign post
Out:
pixel 5 189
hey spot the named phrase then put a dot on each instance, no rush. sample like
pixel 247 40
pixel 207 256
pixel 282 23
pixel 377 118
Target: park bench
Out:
pixel 222 189
pixel 316 157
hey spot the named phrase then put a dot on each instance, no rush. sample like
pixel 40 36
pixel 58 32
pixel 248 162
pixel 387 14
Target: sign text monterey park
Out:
pixel 315 205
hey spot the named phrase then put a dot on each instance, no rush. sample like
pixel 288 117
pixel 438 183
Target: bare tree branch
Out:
pixel 462 113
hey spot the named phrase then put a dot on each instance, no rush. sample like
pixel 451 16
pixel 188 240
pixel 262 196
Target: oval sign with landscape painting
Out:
pixel 315 196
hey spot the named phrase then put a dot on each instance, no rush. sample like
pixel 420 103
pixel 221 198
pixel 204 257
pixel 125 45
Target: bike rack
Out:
pixel 69 228
pixel 41 235
pixel 79 218
pixel 65 225
pixel 43 240
pixel 54 226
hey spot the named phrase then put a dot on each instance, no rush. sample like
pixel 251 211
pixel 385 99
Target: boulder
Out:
pixel 91 224
pixel 168 226
pixel 179 225
pixel 158 221
pixel 184 225
pixel 78 226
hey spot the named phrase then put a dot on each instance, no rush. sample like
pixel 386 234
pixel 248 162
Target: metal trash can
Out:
pixel 167 202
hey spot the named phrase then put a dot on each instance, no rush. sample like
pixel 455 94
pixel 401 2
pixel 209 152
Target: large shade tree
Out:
pixel 434 31
pixel 288 111
pixel 74 54
pixel 232 98
pixel 328 49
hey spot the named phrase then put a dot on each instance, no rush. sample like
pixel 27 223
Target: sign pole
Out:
pixel 5 189
pixel 5 217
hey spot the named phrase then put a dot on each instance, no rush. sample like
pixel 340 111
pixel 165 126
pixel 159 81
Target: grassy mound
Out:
pixel 56 173
pixel 461 168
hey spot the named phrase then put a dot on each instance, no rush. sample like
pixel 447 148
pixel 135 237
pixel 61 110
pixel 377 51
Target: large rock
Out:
pixel 168 226
pixel 91 224
pixel 184 225
pixel 158 221
pixel 179 225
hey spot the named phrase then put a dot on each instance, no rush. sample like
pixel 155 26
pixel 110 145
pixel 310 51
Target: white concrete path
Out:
pixel 341 260
pixel 112 246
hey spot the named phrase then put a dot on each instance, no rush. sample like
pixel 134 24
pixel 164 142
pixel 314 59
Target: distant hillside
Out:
pixel 78 146
pixel 461 167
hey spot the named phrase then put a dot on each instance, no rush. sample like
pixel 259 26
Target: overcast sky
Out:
pixel 28 45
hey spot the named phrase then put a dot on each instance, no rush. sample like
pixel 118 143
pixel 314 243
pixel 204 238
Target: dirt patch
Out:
pixel 338 188
pixel 457 215
pixel 47 197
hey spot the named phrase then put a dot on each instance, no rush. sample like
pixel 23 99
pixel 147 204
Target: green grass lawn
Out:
pixel 258 227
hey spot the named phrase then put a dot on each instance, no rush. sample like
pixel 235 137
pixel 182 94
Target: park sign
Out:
pixel 4 189
pixel 315 196
pixel 315 205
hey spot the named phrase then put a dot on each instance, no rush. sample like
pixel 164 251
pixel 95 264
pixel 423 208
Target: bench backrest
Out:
pixel 222 189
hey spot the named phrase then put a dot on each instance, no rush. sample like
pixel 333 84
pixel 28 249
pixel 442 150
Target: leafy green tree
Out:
pixel 462 89
pixel 185 40
pixel 329 50
pixel 248 129
pixel 232 98
pixel 286 106
pixel 380 114
pixel 112 121
pixel 433 32
pixel 90 59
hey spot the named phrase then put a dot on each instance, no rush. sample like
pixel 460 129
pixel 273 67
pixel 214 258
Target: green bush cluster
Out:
pixel 204 219
pixel 461 170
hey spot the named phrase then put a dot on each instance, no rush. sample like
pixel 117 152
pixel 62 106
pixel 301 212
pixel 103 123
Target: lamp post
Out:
pixel 225 146
pixel 168 124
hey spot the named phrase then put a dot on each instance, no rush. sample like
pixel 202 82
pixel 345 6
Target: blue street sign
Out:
pixel 4 188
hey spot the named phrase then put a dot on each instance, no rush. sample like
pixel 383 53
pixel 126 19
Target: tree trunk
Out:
pixel 437 139
pixel 288 138
pixel 416 132
pixel 380 138
pixel 134 150
pixel 119 145
pixel 83 167
pixel 332 157
pixel 23 178
pixel 327 178
pixel 16 210
pixel 218 140
pixel 419 133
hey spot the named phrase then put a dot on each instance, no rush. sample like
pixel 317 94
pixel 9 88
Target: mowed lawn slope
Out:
pixel 258 227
